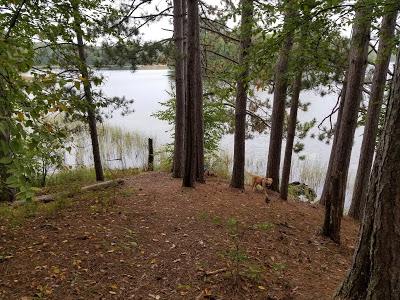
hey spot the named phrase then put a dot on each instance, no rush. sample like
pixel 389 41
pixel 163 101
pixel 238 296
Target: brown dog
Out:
pixel 263 181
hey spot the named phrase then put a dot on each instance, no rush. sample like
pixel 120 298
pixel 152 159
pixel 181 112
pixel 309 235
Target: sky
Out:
pixel 162 29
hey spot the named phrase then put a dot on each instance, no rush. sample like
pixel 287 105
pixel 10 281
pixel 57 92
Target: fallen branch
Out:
pixel 102 185
pixel 210 273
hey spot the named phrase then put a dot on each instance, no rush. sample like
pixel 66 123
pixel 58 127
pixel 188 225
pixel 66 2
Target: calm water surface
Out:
pixel 150 87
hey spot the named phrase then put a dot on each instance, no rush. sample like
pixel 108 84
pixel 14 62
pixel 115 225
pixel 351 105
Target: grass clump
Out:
pixel 312 173
pixel 219 164
pixel 263 226
pixel 241 265
pixel 15 216
pixel 278 267
pixel 71 177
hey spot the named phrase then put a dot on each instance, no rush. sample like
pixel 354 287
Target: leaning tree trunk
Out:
pixel 91 115
pixel 375 270
pixel 374 109
pixel 199 117
pixel 342 97
pixel 278 109
pixel 335 192
pixel 191 87
pixel 287 163
pixel 179 89
pixel 237 180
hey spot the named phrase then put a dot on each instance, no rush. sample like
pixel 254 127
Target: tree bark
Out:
pixel 332 155
pixel 199 117
pixel 335 193
pixel 375 270
pixel 179 88
pixel 237 180
pixel 150 159
pixel 278 109
pixel 6 193
pixel 294 105
pixel 191 86
pixel 91 115
pixel 374 108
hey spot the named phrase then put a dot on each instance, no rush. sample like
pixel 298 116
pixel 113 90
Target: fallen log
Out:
pixel 103 185
pixel 52 197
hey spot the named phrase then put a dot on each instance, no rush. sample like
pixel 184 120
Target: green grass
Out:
pixel 253 272
pixel 73 179
pixel 217 220
pixel 15 216
pixel 278 267
pixel 236 255
pixel 66 181
pixel 204 216
pixel 312 173
pixel 263 226
pixel 119 147
pixel 219 164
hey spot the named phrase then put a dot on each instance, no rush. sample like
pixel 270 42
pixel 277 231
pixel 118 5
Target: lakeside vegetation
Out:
pixel 184 221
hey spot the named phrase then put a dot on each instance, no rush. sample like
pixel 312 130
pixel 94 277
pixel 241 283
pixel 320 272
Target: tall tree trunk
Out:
pixel 335 193
pixel 6 193
pixel 294 105
pixel 191 87
pixel 91 115
pixel 179 88
pixel 246 26
pixel 374 109
pixel 375 270
pixel 199 117
pixel 342 97
pixel 278 109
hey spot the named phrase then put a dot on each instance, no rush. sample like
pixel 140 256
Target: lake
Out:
pixel 150 87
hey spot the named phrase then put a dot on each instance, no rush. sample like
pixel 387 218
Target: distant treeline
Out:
pixel 116 56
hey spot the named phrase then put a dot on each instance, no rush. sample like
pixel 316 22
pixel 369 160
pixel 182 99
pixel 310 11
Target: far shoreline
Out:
pixel 125 68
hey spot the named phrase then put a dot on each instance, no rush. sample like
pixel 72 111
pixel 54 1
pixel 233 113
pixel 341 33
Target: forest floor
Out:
pixel 152 239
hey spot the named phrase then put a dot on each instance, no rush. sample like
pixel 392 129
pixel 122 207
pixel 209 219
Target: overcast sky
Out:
pixel 162 29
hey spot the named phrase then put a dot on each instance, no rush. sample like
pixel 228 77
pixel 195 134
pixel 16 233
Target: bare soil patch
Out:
pixel 151 239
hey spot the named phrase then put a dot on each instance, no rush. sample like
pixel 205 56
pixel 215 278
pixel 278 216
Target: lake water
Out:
pixel 150 87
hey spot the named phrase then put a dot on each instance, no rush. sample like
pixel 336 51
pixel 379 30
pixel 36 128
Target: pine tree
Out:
pixel 375 270
pixel 237 180
pixel 337 178
pixel 179 87
pixel 386 44
pixel 279 102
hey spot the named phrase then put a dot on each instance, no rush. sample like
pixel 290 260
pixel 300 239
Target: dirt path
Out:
pixel 151 239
